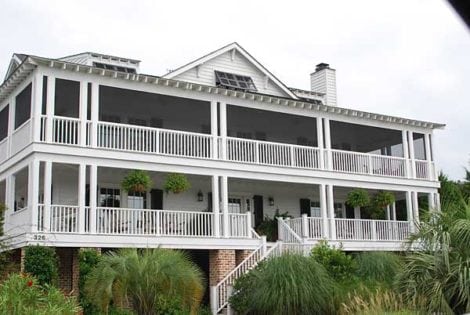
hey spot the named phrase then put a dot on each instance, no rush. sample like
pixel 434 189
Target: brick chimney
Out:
pixel 323 80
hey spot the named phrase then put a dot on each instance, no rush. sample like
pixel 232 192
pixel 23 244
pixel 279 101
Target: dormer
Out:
pixel 105 62
pixel 232 67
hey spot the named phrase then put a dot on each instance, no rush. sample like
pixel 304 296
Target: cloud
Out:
pixel 406 58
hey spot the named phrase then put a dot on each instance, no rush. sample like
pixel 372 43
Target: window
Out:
pixel 113 67
pixel 67 98
pixel 315 210
pixel 234 81
pixel 110 197
pixel 137 200
pixel 4 122
pixel 339 211
pixel 23 106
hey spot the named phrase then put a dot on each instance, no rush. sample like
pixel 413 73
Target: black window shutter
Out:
pixel 305 206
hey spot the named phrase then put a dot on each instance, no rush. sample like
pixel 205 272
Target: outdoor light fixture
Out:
pixel 200 196
pixel 271 201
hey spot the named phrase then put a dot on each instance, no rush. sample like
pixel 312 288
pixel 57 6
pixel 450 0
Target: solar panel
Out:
pixel 234 81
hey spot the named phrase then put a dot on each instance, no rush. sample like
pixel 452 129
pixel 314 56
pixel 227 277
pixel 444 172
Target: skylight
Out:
pixel 113 67
pixel 234 81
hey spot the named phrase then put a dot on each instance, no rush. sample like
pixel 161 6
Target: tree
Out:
pixel 289 284
pixel 145 280
pixel 439 271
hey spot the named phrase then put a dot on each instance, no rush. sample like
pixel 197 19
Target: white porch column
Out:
pixel 95 103
pixel 409 211
pixel 216 205
pixel 93 197
pixel 427 149
pixel 438 202
pixel 331 211
pixel 329 160
pixel 36 106
pixel 324 211
pixel 394 211
pixel 81 197
pixel 224 197
pixel 11 123
pixel 406 154
pixel 387 213
pixel 50 105
pixel 8 202
pixel 47 195
pixel 320 143
pixel 223 129
pixel 33 193
pixel 431 201
pixel 357 213
pixel 214 129
pixel 412 154
pixel 83 108
pixel 415 202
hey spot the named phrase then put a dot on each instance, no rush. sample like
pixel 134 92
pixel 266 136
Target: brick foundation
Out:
pixel 69 270
pixel 241 255
pixel 221 262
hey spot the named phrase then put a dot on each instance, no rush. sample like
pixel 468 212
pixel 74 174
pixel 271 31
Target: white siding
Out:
pixel 239 65
pixel 324 81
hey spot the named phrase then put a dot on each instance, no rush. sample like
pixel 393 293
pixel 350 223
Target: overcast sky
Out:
pixel 405 58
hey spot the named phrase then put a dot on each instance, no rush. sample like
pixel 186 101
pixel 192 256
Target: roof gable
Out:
pixel 15 61
pixel 232 59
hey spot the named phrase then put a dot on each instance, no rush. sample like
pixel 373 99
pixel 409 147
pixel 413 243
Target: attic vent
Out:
pixel 234 81
pixel 113 67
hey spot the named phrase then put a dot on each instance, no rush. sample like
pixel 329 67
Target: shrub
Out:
pixel 339 266
pixel 378 267
pixel 88 258
pixel 42 262
pixel 22 295
pixel 289 284
pixel 176 183
pixel 136 181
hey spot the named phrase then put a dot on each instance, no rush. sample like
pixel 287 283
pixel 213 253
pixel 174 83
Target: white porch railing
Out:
pixel 372 230
pixel 308 227
pixel 21 137
pixel 117 136
pixel 239 225
pixel 271 153
pixel 64 219
pixel 364 163
pixel 286 233
pixel 153 140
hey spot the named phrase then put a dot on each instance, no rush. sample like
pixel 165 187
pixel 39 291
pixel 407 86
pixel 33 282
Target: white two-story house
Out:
pixel 72 128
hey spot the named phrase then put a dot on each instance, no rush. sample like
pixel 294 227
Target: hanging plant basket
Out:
pixel 358 198
pixel 137 181
pixel 176 183
pixel 383 199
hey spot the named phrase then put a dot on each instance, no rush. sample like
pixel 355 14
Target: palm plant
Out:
pixel 143 280
pixel 290 284
pixel 440 270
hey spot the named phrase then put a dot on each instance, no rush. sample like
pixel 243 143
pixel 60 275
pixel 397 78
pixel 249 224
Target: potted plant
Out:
pixel 358 198
pixel 268 226
pixel 137 181
pixel 176 183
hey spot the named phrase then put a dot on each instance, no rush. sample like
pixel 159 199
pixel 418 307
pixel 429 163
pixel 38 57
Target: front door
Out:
pixel 156 199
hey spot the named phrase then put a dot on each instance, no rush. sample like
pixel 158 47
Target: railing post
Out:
pixel 264 248
pixel 214 300
pixel 373 228
pixel 248 224
pixel 369 161
pixel 305 233
pixel 93 197
pixel 280 230
pixel 229 294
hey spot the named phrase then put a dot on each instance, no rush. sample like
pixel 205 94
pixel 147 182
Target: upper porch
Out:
pixel 54 110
